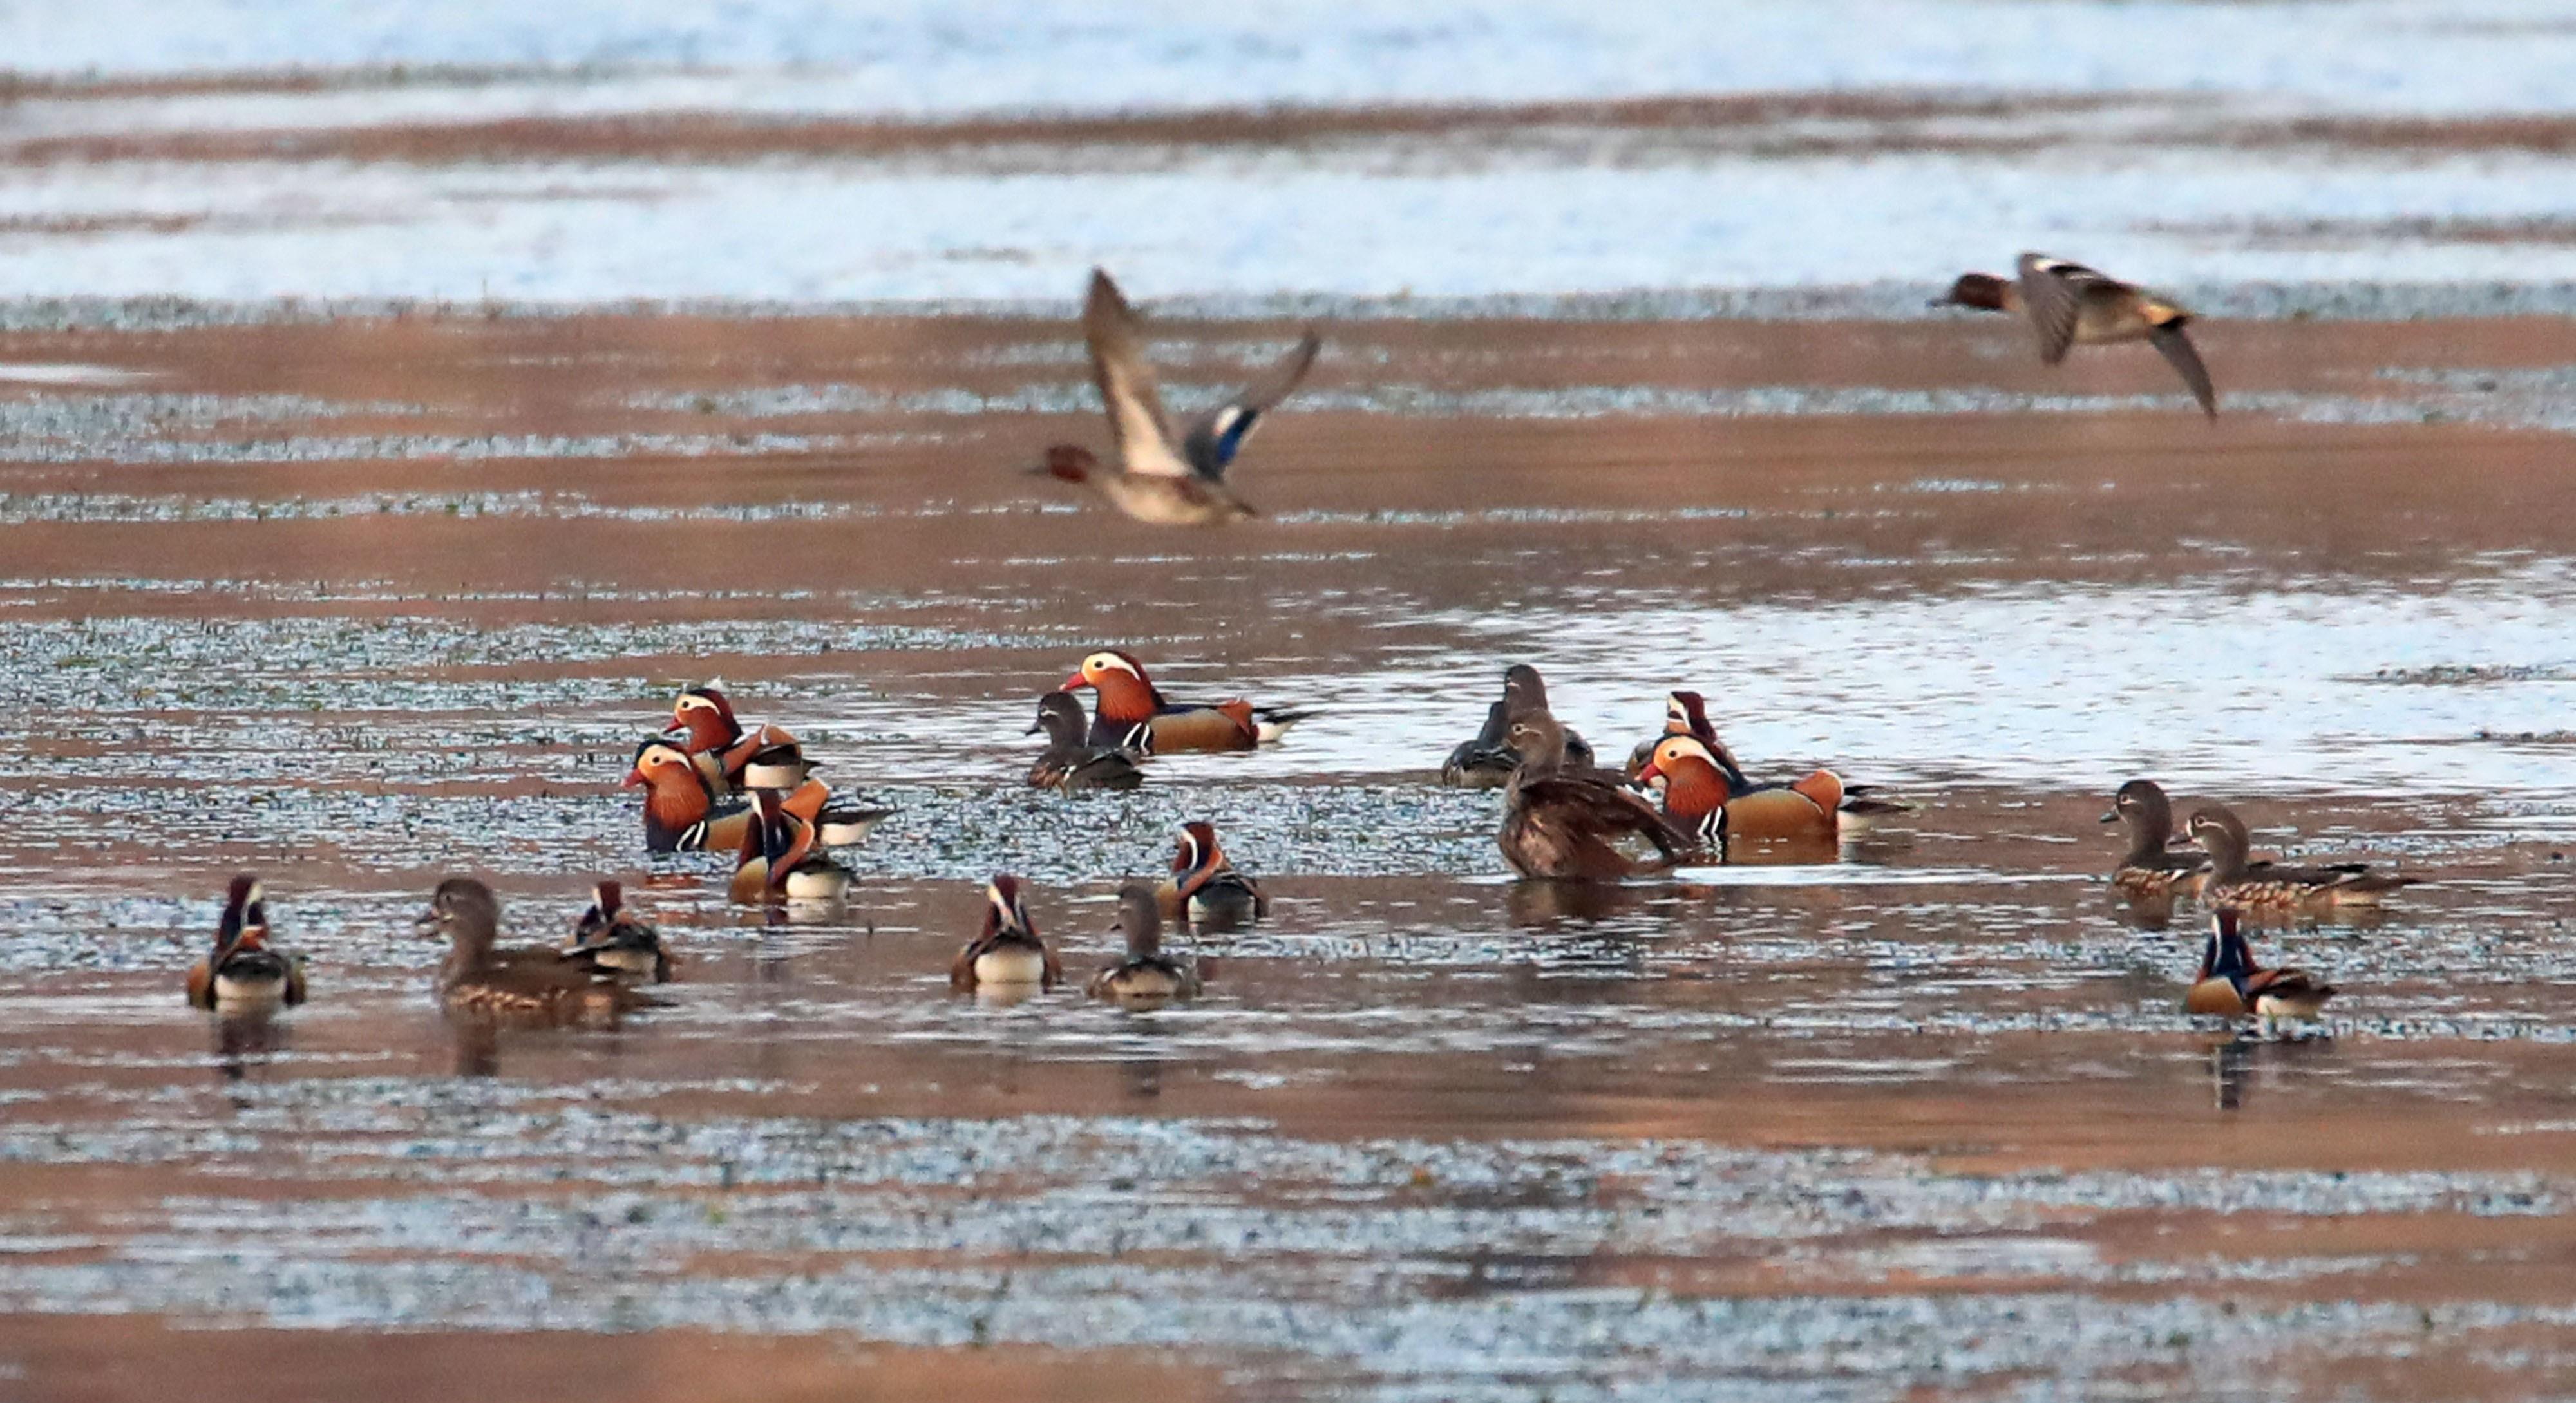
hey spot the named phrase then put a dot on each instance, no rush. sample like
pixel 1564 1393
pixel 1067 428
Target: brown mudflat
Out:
pixel 361 603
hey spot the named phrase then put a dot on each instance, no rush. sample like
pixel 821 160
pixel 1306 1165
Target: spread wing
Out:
pixel 1126 381
pixel 1577 807
pixel 2053 292
pixel 1221 433
pixel 2178 353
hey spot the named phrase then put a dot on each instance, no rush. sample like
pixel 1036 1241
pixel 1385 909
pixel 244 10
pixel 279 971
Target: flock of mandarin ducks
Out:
pixel 712 784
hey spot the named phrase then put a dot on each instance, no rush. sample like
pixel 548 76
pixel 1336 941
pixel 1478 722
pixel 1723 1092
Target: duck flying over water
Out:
pixel 1565 824
pixel 1132 714
pixel 2236 881
pixel 1147 975
pixel 241 972
pixel 2071 305
pixel 1071 764
pixel 2231 985
pixel 2152 866
pixel 1162 476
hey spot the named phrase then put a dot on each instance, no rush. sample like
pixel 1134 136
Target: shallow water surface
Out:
pixel 360 603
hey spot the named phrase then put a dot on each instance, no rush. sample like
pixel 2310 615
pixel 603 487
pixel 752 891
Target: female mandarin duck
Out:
pixel 1148 976
pixel 532 983
pixel 1008 956
pixel 1205 887
pixel 2230 985
pixel 2234 881
pixel 2071 305
pixel 609 937
pixel 781 859
pixel 682 811
pixel 1133 715
pixel 241 972
pixel 1686 715
pixel 2152 867
pixel 1487 761
pixel 1564 824
pixel 1071 764
pixel 1162 477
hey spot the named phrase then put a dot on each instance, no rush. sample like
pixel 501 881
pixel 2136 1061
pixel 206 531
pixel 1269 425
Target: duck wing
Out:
pixel 2176 348
pixel 2053 292
pixel 1220 434
pixel 1126 381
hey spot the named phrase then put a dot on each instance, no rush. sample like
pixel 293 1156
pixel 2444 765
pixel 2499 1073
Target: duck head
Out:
pixel 1524 691
pixel 1983 291
pixel 465 912
pixel 607 908
pixel 1006 911
pixel 1540 742
pixel 1694 782
pixel 1127 695
pixel 706 716
pixel 2225 955
pixel 1195 855
pixel 1067 462
pixel 1140 919
pixel 1060 716
pixel 1686 714
pixel 2224 835
pixel 244 925
pixel 675 794
pixel 2142 807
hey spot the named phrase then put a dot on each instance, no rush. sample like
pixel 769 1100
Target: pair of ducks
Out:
pixel 1564 818
pixel 588 976
pixel 1131 721
pixel 2223 873
pixel 698 788
pixel 1168 475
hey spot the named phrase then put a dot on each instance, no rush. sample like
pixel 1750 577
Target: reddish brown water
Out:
pixel 359 604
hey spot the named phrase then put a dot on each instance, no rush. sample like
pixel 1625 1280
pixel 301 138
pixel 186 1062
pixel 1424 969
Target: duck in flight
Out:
pixel 2071 305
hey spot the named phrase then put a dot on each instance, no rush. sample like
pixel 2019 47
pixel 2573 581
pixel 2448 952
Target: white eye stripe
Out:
pixel 1109 660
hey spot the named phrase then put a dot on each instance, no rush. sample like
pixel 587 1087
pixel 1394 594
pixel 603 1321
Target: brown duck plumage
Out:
pixel 2235 880
pixel 1563 824
pixel 537 984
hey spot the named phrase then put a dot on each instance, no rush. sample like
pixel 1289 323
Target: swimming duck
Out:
pixel 2152 867
pixel 2071 305
pixel 704 715
pixel 1008 955
pixel 683 811
pixel 780 859
pixel 241 971
pixel 2230 985
pixel 1487 761
pixel 1697 786
pixel 1686 714
pixel 1205 887
pixel 2234 881
pixel 1148 975
pixel 1161 477
pixel 607 936
pixel 1565 824
pixel 1133 715
pixel 534 983
pixel 1070 764
pixel 785 768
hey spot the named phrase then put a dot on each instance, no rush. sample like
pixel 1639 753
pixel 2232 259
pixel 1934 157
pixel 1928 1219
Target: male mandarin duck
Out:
pixel 1165 477
pixel 1487 762
pixel 781 859
pixel 1686 715
pixel 2231 985
pixel 2235 881
pixel 1565 824
pixel 1133 715
pixel 1697 790
pixel 1147 976
pixel 2071 305
pixel 531 983
pixel 609 936
pixel 241 971
pixel 682 811
pixel 2152 866
pixel 704 716
pixel 1071 764
pixel 1008 955
pixel 1205 886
